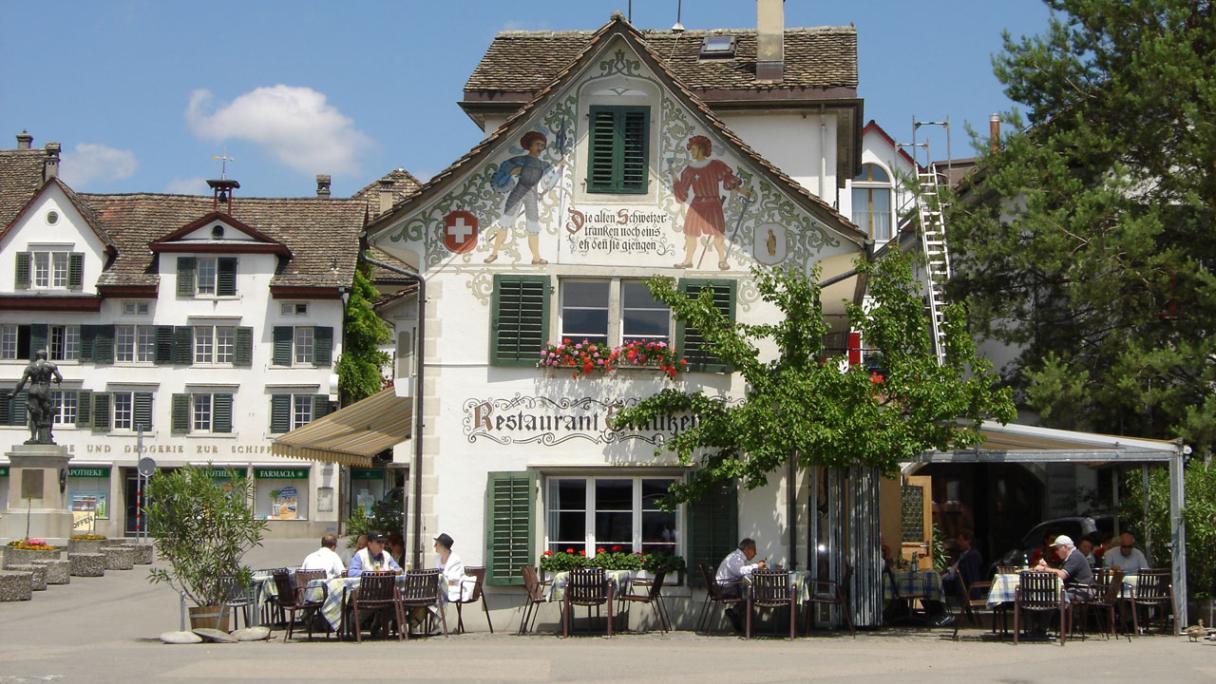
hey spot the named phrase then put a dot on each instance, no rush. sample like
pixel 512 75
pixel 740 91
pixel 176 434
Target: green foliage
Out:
pixel 1199 514
pixel 937 549
pixel 1086 241
pixel 799 404
pixel 202 528
pixel 561 561
pixel 387 517
pixel 359 364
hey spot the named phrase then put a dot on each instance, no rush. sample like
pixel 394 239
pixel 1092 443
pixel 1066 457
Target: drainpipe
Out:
pixel 823 156
pixel 420 341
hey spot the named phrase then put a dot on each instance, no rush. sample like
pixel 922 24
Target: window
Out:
pixel 205 275
pixel 49 269
pixel 293 309
pixel 135 308
pixel 301 410
pixel 65 407
pixel 642 316
pixel 145 343
pixel 618 153
pixel 124 407
pixel 204 344
pixel 132 410
pixel 612 513
pixel 291 411
pixel 200 413
pixel 65 342
pixel 225 344
pixel 585 310
pixel 214 344
pixel 134 343
pixel 872 202
pixel 303 345
pixel 8 342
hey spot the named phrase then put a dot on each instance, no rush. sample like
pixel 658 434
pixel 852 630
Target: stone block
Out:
pixel 16 585
pixel 87 564
pixel 57 571
pixel 144 553
pixel 119 557
pixel 38 572
pixel 252 634
pixel 87 545
pixel 14 556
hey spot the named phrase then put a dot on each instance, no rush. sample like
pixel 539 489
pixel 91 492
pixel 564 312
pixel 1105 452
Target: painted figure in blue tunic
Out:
pixel 524 178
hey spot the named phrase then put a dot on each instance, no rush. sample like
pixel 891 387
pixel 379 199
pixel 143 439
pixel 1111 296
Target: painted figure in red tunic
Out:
pixel 704 176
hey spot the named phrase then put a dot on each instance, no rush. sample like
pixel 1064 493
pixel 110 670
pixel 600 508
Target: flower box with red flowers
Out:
pixel 586 357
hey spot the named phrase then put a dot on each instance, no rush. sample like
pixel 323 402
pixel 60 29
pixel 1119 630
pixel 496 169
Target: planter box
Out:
pixel 119 557
pixel 88 546
pixel 16 586
pixel 208 617
pixel 88 564
pixel 25 556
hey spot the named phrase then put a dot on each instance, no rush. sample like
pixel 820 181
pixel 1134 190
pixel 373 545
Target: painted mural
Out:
pixel 527 205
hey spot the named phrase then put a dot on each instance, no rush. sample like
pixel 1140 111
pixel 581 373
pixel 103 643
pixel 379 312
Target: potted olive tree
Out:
pixel 202 528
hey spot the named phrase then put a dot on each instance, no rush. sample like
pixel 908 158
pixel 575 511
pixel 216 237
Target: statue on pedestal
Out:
pixel 40 405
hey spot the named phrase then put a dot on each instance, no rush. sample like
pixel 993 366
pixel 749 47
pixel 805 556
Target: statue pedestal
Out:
pixel 34 494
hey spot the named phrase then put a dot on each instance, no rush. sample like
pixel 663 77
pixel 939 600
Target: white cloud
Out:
pixel 295 124
pixel 187 186
pixel 88 162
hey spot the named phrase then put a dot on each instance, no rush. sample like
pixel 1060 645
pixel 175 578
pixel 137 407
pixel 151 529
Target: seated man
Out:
pixel 1072 568
pixel 1127 556
pixel 374 557
pixel 325 558
pixel 969 567
pixel 731 572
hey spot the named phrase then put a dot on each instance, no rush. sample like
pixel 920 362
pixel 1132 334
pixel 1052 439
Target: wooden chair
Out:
pixel 312 606
pixel 1040 592
pixel 476 595
pixel 378 592
pixel 423 589
pixel 771 589
pixel 971 607
pixel 587 587
pixel 715 594
pixel 290 601
pixel 835 594
pixel 652 596
pixel 1107 586
pixel 1153 591
pixel 533 598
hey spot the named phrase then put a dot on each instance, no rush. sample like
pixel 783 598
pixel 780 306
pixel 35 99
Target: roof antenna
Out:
pixel 678 27
pixel 629 12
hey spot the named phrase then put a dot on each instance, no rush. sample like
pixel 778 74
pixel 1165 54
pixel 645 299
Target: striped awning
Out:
pixel 351 435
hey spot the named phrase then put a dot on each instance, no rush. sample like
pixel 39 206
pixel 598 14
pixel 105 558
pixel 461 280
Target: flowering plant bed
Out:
pixel 30 544
pixel 611 558
pixel 88 537
pixel 586 357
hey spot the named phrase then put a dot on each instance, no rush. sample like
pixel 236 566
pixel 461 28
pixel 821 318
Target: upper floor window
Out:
pixel 64 343
pixel 618 150
pixel 588 313
pixel 131 411
pixel 206 276
pixel 291 411
pixel 205 412
pixel 134 343
pixel 49 270
pixel 8 342
pixel 585 310
pixel 65 407
pixel 872 202
pixel 303 345
pixel 214 343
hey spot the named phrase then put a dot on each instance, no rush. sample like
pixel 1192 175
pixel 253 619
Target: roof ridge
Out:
pixel 170 195
pixel 549 33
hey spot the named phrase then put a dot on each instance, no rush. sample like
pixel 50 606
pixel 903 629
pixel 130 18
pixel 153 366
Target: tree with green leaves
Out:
pixel 817 410
pixel 363 334
pixel 1086 242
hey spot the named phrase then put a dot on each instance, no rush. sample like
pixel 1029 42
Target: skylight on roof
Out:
pixel 718 47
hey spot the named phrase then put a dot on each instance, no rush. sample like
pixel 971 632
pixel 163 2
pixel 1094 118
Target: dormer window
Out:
pixel 49 269
pixel 206 276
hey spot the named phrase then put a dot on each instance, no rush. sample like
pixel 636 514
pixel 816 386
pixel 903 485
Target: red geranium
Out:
pixel 570 550
pixel 582 552
pixel 600 550
pixel 548 553
pixel 616 548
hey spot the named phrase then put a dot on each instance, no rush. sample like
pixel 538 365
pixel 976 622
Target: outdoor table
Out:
pixel 800 583
pixel 1004 589
pixel 337 590
pixel 925 585
pixel 619 579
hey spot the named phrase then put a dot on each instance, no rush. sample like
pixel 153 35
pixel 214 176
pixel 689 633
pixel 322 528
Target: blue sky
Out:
pixel 141 94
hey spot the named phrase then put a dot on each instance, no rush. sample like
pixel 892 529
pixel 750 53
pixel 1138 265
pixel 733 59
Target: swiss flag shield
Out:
pixel 460 231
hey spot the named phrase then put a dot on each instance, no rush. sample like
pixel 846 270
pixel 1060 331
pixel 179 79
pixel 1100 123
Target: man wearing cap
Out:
pixel 460 586
pixel 1073 568
pixel 374 557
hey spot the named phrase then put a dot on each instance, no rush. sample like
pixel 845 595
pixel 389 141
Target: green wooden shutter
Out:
pixel 101 411
pixel 181 413
pixel 88 337
pixel 17 413
pixel 243 357
pixel 84 408
pixel 713 529
pixel 221 413
pixel 519 319
pixel 23 342
pixel 320 406
pixel 635 141
pixel 510 537
pixel 323 346
pixel 691 345
pixel 75 271
pixel 103 345
pixel 618 151
pixel 226 276
pixel 280 413
pixel 38 338
pixel 22 271
pixel 600 150
pixel 6 409
pixel 185 276
pixel 282 335
pixel 183 345
pixel 142 411
pixel 164 344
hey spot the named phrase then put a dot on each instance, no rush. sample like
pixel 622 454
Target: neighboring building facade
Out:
pixel 210 323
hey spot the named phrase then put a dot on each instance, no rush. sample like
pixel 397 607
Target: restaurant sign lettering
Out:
pixel 548 422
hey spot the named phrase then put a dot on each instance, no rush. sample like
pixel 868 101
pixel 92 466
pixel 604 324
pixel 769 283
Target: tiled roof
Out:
pixel 322 234
pixel 20 178
pixel 404 185
pixel 384 275
pixel 818 57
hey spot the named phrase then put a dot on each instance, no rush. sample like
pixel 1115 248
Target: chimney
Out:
pixel 387 198
pixel 24 140
pixel 322 185
pixel 994 133
pixel 50 166
pixel 770 40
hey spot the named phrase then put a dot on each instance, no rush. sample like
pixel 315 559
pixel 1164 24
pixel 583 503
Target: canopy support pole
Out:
pixel 1178 539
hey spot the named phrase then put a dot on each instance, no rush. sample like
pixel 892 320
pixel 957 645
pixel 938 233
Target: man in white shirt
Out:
pixel 1127 556
pixel 731 572
pixel 325 558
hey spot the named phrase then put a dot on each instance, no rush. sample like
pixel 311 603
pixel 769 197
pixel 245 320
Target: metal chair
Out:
pixel 1107 584
pixel 652 596
pixel 771 589
pixel 835 594
pixel 422 590
pixel 239 599
pixel 1154 592
pixel 476 595
pixel 534 597
pixel 378 591
pixel 587 587
pixel 715 594
pixel 1040 592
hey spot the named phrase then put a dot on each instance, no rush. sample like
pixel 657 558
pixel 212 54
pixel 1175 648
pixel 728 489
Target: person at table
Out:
pixel 1043 553
pixel 731 571
pixel 969 567
pixel 1126 557
pixel 1072 568
pixel 459 585
pixel 325 558
pixel 396 547
pixel 1086 548
pixel 372 558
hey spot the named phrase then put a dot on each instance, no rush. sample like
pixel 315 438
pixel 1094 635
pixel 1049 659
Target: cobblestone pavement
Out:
pixel 104 630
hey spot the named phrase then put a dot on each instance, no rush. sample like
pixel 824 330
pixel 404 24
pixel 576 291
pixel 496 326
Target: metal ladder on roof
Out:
pixel 930 210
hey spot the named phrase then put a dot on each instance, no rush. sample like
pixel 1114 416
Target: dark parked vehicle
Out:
pixel 1077 527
